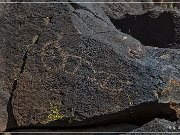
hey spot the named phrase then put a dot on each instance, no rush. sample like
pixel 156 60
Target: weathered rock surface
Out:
pixel 66 65
pixel 168 3
pixel 3 112
pixel 118 10
pixel 159 125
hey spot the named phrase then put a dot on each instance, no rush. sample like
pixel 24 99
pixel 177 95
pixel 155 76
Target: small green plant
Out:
pixel 54 115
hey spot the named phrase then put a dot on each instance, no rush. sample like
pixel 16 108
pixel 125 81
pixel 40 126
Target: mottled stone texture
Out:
pixel 118 10
pixel 68 62
pixel 159 125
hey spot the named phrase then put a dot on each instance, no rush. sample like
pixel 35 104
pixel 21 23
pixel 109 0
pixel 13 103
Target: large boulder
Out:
pixel 67 65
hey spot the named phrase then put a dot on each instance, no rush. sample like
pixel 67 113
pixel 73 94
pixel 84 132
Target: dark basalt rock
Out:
pixel 159 125
pixel 168 3
pixel 118 10
pixel 157 27
pixel 66 65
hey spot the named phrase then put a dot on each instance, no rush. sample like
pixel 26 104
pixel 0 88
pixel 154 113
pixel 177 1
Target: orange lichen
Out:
pixel 174 82
pixel 175 107
pixel 172 86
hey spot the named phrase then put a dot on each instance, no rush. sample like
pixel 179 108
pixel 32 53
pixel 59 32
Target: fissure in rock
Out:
pixel 11 119
pixel 24 62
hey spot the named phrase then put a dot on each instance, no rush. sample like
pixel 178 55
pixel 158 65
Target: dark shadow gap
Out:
pixel 136 115
pixel 11 119
pixel 74 5
pixel 24 62
pixel 150 30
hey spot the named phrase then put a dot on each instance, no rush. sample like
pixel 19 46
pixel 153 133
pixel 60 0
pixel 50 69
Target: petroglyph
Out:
pixel 135 52
pixel 34 39
pixel 47 20
pixel 55 59
pixel 113 82
pixel 86 70
pixel 72 64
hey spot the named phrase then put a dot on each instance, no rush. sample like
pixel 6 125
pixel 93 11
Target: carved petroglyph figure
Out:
pixel 72 64
pixel 54 59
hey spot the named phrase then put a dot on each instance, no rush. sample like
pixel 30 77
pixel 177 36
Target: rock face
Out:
pixel 167 3
pixel 118 10
pixel 159 28
pixel 159 125
pixel 66 65
pixel 3 112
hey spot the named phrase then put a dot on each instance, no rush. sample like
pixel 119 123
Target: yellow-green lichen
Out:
pixel 54 115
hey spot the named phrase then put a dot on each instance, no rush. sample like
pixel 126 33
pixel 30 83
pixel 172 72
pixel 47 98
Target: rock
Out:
pixel 159 28
pixel 118 10
pixel 167 3
pixel 6 70
pixel 3 112
pixel 159 125
pixel 68 66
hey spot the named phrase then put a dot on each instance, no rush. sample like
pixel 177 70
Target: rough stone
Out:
pixel 168 3
pixel 157 27
pixel 159 125
pixel 67 65
pixel 118 10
